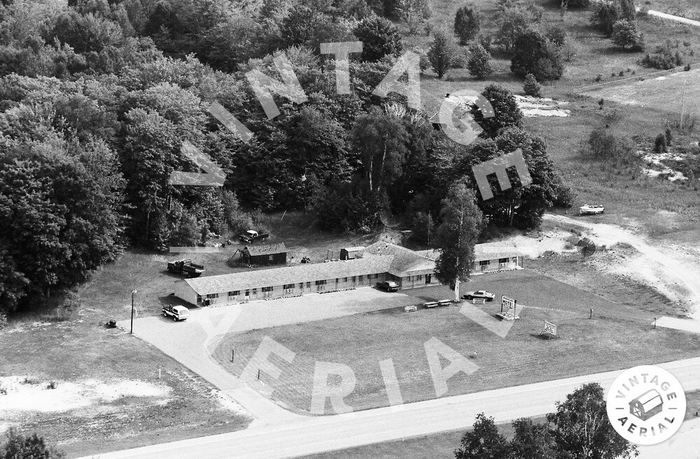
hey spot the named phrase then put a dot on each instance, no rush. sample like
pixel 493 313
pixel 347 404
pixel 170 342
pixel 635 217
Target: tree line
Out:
pixel 96 101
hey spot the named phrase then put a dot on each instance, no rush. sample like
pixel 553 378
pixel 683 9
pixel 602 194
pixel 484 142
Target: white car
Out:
pixel 176 313
pixel 488 296
pixel 591 209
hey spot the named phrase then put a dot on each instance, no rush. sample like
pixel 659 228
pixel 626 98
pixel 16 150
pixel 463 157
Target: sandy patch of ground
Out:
pixel 541 106
pixel 669 269
pixel 25 394
pixel 533 247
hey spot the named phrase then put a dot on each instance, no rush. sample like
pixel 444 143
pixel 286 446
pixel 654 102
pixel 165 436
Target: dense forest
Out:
pixel 97 98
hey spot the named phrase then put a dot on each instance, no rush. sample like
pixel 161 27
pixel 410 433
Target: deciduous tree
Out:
pixel 483 441
pixel 582 430
pixel 461 223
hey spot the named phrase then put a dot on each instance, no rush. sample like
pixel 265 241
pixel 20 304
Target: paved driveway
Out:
pixel 193 341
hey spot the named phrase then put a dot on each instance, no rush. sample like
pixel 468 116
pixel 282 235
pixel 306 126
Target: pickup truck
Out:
pixel 185 267
pixel 177 313
pixel 251 236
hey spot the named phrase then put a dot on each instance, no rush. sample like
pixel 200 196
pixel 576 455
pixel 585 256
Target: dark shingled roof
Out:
pixel 266 249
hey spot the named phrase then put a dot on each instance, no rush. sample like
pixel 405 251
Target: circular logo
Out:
pixel 646 405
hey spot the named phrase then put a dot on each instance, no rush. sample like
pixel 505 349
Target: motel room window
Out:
pixel 213 295
pixel 361 278
pixel 503 260
pixel 308 285
pixel 301 285
pixel 234 293
pixel 199 299
pixel 484 263
pixel 345 279
pixel 320 285
pixel 289 288
pixel 255 291
pixel 267 289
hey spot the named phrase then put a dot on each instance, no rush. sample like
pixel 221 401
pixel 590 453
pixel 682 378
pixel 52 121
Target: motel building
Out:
pixel 378 262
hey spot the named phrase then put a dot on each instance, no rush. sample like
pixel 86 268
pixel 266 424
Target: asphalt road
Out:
pixel 307 435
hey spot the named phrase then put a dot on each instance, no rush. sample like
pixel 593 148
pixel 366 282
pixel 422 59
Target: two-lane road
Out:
pixel 308 435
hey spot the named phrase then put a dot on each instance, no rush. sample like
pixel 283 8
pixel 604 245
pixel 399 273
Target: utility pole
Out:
pixel 133 292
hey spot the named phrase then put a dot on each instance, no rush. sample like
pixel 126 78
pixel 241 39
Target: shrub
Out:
pixel 626 36
pixel 441 54
pixel 379 38
pixel 531 87
pixel 605 15
pixel 479 63
pixel 687 67
pixel 664 58
pixel 467 23
pixel 660 145
pixel 534 53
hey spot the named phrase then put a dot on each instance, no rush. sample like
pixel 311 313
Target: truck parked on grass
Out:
pixel 251 236
pixel 185 267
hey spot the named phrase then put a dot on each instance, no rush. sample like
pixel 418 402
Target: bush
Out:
pixel 605 15
pixel 531 87
pixel 479 63
pixel 663 59
pixel 660 145
pixel 19 446
pixel 379 38
pixel 441 54
pixel 626 36
pixel 534 53
pixel 467 23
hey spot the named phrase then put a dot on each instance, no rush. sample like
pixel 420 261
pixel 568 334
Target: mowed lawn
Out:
pixel 616 337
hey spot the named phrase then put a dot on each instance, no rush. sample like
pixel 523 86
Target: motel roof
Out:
pixel 305 272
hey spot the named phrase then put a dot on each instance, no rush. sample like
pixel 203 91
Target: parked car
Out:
pixel 591 209
pixel 186 267
pixel 388 286
pixel 251 236
pixel 177 313
pixel 488 296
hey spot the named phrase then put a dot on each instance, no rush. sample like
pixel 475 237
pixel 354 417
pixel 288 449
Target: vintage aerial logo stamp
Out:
pixel 646 405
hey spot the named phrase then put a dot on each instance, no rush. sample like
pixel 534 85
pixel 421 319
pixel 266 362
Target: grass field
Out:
pixel 361 341
pixel 85 354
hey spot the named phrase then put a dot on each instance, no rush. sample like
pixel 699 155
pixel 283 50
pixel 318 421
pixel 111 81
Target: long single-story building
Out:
pixel 378 262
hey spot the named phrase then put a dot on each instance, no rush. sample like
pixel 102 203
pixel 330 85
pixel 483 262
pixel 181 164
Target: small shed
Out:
pixel 350 253
pixel 265 254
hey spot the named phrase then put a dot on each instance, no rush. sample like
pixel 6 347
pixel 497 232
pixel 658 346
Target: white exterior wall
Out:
pixel 185 292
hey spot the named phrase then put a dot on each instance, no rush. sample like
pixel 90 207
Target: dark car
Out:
pixel 388 286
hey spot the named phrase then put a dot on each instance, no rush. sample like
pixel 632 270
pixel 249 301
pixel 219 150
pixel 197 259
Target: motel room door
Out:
pixel 428 278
